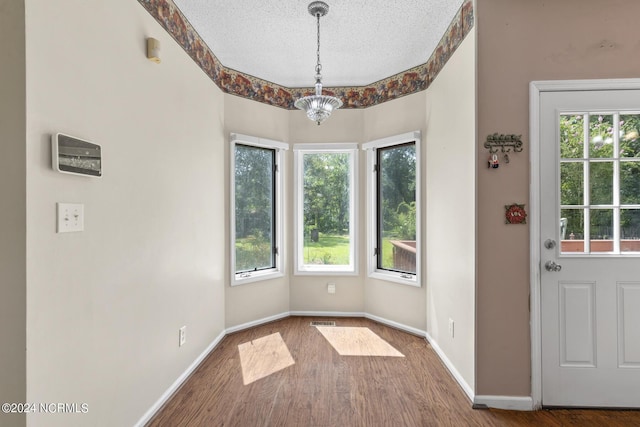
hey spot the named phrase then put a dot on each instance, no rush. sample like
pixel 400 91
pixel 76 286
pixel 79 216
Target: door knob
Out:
pixel 549 243
pixel 552 266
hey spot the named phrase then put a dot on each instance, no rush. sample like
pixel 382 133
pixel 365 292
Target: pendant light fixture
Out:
pixel 318 107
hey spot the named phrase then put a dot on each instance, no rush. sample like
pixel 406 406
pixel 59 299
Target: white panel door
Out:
pixel 590 252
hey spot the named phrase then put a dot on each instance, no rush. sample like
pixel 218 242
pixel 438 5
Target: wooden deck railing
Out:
pixel 404 255
pixel 568 246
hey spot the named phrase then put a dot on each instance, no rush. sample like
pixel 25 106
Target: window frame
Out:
pixel 371 149
pixel 299 151
pixel 279 148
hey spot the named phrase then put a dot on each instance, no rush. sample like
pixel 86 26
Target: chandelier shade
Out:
pixel 318 106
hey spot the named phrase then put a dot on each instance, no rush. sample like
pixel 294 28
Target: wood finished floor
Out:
pixel 323 388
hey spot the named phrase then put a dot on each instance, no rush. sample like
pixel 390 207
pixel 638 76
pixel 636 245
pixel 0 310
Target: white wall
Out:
pixel 13 212
pixel 451 209
pixel 258 300
pixel 104 305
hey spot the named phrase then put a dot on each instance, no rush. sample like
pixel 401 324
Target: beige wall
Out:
pixel 451 204
pixel 13 212
pixel 397 303
pixel 520 41
pixel 258 300
pixel 357 294
pixel 309 293
pixel 104 305
pixel 392 301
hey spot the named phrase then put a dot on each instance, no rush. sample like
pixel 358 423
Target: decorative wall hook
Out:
pixel 504 143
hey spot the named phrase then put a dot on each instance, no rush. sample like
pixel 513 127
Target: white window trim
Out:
pixel 373 270
pixel 325 270
pixel 278 270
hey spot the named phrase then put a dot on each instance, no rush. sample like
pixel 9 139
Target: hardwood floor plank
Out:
pixel 322 388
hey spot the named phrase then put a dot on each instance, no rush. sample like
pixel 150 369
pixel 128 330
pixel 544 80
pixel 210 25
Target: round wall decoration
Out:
pixel 515 214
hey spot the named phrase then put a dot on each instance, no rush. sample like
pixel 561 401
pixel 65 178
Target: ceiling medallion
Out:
pixel 318 107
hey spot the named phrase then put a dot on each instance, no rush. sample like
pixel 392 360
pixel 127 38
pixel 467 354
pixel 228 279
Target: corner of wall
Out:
pixel 248 302
pixel 13 213
pixel 450 256
pixel 148 262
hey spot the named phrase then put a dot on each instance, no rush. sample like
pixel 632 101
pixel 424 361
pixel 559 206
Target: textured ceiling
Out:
pixel 361 41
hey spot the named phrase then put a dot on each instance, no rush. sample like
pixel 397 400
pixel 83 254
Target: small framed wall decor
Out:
pixel 515 214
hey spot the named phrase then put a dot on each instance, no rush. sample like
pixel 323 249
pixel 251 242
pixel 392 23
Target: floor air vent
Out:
pixel 323 323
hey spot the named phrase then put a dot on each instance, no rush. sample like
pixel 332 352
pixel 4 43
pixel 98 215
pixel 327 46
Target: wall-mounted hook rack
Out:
pixel 504 142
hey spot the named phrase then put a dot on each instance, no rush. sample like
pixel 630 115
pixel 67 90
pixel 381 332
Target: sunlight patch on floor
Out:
pixel 351 341
pixel 263 356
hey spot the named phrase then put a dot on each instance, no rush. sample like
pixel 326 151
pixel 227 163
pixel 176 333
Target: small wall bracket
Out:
pixel 501 142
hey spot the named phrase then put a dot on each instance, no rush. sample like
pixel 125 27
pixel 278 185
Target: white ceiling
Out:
pixel 361 41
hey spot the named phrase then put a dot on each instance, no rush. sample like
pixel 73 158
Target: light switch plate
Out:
pixel 70 217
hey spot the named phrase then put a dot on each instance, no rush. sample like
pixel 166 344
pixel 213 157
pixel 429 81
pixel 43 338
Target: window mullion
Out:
pixel 587 186
pixel 616 183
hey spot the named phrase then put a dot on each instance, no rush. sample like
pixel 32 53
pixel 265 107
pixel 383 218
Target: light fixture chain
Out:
pixel 318 66
pixel 318 106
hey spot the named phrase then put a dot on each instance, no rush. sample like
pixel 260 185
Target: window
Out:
pixel 255 208
pixel 599 181
pixel 394 203
pixel 325 208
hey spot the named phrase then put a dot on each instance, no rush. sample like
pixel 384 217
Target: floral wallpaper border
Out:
pixel 406 83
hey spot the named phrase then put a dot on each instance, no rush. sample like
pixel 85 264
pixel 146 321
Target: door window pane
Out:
pixel 572 188
pixel 630 230
pixel 572 230
pixel 601 230
pixel 601 136
pixel 630 183
pixel 630 135
pixel 601 183
pixel 572 136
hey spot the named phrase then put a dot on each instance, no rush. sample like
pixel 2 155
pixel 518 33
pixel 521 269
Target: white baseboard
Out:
pixel 328 313
pixel 452 369
pixel 178 382
pixel 396 325
pixel 257 322
pixel 513 403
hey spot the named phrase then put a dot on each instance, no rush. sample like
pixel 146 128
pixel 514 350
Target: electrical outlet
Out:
pixel 451 327
pixel 70 217
pixel 331 288
pixel 182 336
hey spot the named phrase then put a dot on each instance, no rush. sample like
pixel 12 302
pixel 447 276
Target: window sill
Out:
pixel 325 272
pixel 394 277
pixel 255 276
